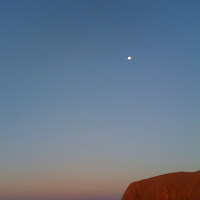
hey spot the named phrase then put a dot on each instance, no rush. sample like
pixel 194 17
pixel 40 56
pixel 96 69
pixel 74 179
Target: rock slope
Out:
pixel 173 186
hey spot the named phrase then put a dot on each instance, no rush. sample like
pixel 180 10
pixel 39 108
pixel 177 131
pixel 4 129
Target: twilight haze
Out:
pixel 78 121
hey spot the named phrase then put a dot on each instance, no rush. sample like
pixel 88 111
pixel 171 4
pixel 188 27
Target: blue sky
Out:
pixel 77 119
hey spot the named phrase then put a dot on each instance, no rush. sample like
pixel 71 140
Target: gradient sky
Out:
pixel 77 120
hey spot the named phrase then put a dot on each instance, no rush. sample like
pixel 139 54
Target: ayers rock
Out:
pixel 173 186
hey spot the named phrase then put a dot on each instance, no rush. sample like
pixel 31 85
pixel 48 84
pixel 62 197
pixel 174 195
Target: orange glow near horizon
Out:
pixel 60 187
pixel 59 182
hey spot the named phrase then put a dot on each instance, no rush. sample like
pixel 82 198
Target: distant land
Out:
pixel 172 186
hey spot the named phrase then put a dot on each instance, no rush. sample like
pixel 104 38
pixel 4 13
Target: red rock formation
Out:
pixel 173 186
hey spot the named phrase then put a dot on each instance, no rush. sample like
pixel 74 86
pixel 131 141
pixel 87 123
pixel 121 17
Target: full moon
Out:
pixel 129 58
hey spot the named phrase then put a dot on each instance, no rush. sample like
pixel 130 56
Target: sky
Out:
pixel 79 121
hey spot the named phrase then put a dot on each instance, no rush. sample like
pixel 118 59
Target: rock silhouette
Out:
pixel 173 186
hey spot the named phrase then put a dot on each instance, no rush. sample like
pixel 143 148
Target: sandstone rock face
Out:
pixel 173 186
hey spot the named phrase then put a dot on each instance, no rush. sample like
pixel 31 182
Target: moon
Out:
pixel 129 57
